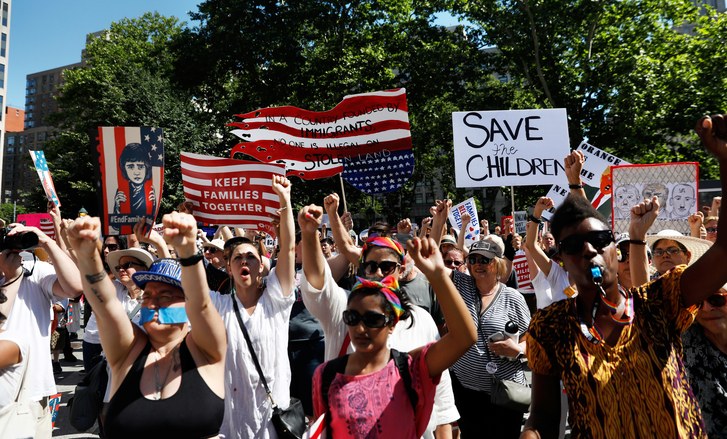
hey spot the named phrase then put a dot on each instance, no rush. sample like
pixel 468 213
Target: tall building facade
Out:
pixel 5 12
pixel 17 170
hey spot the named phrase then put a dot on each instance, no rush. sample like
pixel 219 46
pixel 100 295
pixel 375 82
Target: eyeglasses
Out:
pixel 476 259
pixel 449 262
pixel 672 251
pixel 112 247
pixel 211 250
pixel 128 265
pixel 386 267
pixel 716 300
pixel 373 233
pixel 711 229
pixel 573 244
pixel 370 319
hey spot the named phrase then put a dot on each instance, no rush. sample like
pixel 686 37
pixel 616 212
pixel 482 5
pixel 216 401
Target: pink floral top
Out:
pixel 377 405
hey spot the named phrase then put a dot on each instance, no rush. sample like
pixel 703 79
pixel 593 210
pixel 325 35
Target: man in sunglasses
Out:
pixel 380 257
pixel 618 352
pixel 454 260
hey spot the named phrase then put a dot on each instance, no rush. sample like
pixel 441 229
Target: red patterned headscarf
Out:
pixel 386 242
pixel 389 287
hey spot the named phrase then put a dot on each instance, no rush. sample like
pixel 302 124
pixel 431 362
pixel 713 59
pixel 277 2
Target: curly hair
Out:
pixel 572 211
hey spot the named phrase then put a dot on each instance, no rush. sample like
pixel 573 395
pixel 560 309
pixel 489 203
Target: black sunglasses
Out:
pixel 717 300
pixel 573 244
pixel 370 319
pixel 476 259
pixel 453 262
pixel 112 247
pixel 128 265
pixel 711 229
pixel 387 267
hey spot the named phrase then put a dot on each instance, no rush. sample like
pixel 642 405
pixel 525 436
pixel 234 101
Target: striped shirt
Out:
pixel 508 304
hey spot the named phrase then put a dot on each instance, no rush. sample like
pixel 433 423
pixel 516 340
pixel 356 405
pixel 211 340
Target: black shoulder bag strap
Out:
pixel 402 363
pixel 252 350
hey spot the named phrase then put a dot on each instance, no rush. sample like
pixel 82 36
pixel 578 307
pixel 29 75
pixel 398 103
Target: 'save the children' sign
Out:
pixel 509 148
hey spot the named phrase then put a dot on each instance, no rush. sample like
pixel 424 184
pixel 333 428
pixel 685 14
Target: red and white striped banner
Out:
pixel 316 145
pixel 132 176
pixel 229 192
pixel 43 221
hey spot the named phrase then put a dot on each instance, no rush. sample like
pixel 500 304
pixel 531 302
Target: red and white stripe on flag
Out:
pixel 43 221
pixel 231 192
pixel 315 144
pixel 522 270
pixel 317 430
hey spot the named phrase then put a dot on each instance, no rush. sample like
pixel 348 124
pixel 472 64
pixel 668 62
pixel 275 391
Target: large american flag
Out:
pixel 111 143
pixel 231 192
pixel 366 136
pixel 41 166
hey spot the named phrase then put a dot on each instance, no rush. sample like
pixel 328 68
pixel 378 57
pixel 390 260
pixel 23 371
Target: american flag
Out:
pixel 111 144
pixel 367 137
pixel 42 221
pixel 231 192
pixel 41 166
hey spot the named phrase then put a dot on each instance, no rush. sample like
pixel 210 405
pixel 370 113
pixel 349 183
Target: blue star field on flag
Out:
pixel 153 139
pixel 378 173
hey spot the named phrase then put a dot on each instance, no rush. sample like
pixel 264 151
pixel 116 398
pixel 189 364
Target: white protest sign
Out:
pixel 509 148
pixel 472 233
pixel 521 219
pixel 674 184
pixel 593 174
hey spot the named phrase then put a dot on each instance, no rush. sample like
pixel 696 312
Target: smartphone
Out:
pixel 497 336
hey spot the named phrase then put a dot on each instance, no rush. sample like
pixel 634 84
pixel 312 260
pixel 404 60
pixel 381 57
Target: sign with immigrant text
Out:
pixel 366 137
pixel 229 192
pixel 509 148
pixel 675 185
pixel 41 166
pixel 596 177
pixel 472 232
pixel 132 176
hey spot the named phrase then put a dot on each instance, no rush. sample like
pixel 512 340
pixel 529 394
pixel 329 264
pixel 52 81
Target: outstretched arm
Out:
pixel 439 219
pixel 462 332
pixel 114 327
pixel 208 331
pixel 285 268
pixel 643 216
pixel 544 419
pixel 536 251
pixel 700 279
pixel 309 218
pixel 573 166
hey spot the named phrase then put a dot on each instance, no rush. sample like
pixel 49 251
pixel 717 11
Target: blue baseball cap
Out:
pixel 164 270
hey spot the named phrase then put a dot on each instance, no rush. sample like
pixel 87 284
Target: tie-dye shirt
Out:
pixel 635 389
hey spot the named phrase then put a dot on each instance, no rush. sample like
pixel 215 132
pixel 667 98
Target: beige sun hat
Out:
pixel 696 246
pixel 114 257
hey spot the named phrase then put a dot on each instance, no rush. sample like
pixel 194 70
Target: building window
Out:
pixel 2 75
pixel 3 44
pixel 5 14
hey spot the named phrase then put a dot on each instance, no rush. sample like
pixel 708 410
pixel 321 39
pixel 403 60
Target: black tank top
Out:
pixel 195 411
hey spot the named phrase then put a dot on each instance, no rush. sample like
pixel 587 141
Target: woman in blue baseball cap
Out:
pixel 169 380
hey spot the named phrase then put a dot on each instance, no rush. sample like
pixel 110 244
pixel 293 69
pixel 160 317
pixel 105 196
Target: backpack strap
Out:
pixel 402 363
pixel 337 365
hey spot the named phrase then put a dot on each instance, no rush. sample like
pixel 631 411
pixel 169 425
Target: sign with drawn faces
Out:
pixel 675 185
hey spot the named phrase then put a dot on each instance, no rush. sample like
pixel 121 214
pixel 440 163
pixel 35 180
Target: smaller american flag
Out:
pixel 46 226
pixel 41 166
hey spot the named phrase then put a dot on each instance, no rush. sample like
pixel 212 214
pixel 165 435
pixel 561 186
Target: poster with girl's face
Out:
pixel 132 176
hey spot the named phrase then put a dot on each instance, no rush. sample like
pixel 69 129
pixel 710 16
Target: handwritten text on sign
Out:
pixel 509 148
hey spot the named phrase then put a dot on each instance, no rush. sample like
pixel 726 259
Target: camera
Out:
pixel 18 241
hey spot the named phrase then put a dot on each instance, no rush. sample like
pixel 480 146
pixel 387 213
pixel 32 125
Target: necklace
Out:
pixel 592 332
pixel 160 385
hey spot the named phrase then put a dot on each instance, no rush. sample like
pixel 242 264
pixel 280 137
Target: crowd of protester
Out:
pixel 400 334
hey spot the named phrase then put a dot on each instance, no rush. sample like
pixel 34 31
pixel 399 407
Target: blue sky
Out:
pixel 46 34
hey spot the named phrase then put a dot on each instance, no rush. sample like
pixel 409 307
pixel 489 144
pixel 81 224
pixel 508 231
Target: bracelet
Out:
pixel 188 262
pixel 535 220
pixel 575 186
pixel 96 278
pixel 636 242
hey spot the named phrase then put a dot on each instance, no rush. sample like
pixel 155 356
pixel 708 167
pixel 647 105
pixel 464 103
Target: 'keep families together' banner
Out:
pixel 509 148
pixel 366 137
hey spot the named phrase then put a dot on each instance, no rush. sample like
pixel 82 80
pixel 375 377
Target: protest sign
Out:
pixel 54 404
pixel 366 137
pixel 522 271
pixel 41 166
pixel 595 176
pixel 674 184
pixel 131 160
pixel 521 221
pixel 229 192
pixel 472 232
pixel 43 221
pixel 509 148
